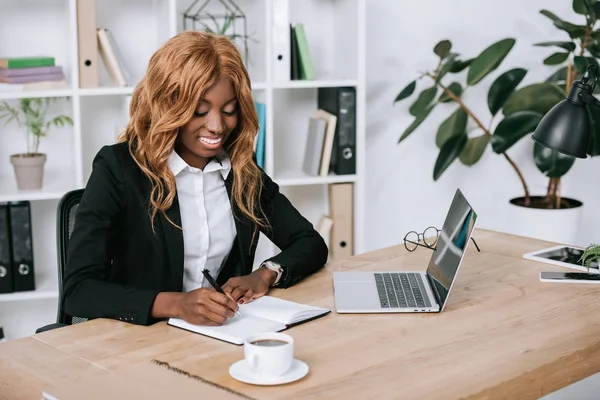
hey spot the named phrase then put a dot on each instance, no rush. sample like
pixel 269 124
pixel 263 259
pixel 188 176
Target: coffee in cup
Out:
pixel 269 355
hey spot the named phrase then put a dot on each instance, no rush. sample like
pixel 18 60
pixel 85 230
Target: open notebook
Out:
pixel 265 314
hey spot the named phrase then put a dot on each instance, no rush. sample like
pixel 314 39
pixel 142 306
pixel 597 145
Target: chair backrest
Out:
pixel 65 220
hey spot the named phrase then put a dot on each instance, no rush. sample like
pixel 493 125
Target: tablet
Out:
pixel 569 277
pixel 562 256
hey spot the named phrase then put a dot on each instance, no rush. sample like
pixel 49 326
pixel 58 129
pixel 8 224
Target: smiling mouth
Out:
pixel 211 141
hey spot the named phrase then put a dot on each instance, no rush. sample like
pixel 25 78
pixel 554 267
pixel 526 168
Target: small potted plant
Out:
pixel 590 254
pixel 31 113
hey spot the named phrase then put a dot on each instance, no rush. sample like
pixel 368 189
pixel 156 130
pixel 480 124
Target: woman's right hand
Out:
pixel 205 306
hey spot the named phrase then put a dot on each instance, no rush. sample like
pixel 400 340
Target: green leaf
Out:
pixel 556 58
pixel 538 97
pixel 415 124
pixel 425 98
pixel 559 77
pixel 582 62
pixel 503 87
pixel 445 68
pixel 442 49
pixel 579 7
pixel 512 128
pixel 406 92
pixel 474 149
pixel 550 162
pixel 574 31
pixel 455 124
pixel 460 65
pixel 455 88
pixel 568 46
pixel 488 60
pixel 448 153
pixel 594 116
pixel 594 49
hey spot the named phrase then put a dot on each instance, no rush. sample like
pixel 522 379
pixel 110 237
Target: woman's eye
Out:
pixel 200 114
pixel 230 112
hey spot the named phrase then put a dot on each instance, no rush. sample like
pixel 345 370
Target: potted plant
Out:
pixel 31 113
pixel 519 110
pixel 590 254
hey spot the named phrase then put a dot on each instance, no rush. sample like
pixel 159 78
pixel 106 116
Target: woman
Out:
pixel 180 193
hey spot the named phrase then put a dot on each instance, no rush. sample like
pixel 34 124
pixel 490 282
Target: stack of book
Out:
pixel 30 73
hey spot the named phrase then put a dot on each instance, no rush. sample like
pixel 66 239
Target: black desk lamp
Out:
pixel 566 127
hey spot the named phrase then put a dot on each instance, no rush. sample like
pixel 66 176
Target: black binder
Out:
pixel 6 278
pixel 22 246
pixel 341 102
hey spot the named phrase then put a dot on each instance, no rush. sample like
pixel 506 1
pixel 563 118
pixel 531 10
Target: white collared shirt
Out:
pixel 206 218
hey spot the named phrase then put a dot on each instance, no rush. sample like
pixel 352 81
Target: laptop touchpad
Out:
pixel 356 296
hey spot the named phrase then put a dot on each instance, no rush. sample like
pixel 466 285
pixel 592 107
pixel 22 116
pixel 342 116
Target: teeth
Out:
pixel 210 141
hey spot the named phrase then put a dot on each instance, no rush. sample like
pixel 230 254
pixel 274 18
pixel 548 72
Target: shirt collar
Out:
pixel 218 163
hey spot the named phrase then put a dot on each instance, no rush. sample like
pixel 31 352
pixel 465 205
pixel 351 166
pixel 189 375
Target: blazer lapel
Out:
pixel 244 230
pixel 174 239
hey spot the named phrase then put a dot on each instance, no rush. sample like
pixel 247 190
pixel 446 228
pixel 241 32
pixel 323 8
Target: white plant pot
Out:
pixel 29 170
pixel 556 225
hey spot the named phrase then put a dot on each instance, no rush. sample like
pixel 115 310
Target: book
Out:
pixel 307 70
pixel 32 78
pixel 314 146
pixel 265 314
pixel 261 110
pixel 26 62
pixel 8 72
pixel 109 57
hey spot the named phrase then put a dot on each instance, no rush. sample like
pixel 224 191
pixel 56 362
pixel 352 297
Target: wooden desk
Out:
pixel 504 334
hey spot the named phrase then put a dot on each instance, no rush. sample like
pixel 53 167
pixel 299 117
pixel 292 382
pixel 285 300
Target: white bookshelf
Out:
pixel 335 32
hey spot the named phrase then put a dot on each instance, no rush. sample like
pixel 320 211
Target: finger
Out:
pixel 213 317
pixel 228 287
pixel 248 296
pixel 222 305
pixel 198 319
pixel 237 293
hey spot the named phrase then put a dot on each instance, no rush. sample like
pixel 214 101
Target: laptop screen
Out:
pixel 451 245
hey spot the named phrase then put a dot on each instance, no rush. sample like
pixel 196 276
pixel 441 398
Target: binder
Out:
pixel 281 41
pixel 22 246
pixel 87 43
pixel 6 278
pixel 341 211
pixel 341 102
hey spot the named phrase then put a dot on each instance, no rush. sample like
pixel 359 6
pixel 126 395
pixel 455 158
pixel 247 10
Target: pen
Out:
pixel 215 285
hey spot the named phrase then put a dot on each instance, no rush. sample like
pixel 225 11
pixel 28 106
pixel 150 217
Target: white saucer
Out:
pixel 242 373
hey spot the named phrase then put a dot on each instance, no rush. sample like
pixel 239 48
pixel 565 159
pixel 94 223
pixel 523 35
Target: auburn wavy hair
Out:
pixel 178 75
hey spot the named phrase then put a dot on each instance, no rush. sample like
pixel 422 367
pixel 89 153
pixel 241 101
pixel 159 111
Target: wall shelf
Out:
pixel 335 31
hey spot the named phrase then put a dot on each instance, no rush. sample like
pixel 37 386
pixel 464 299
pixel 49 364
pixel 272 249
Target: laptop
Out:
pixel 411 291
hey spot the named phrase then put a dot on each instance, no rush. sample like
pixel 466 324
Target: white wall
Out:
pixel 401 192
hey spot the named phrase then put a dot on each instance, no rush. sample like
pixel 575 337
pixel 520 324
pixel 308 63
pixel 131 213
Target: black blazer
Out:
pixel 116 264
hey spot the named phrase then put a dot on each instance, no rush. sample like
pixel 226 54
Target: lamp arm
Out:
pixel 588 99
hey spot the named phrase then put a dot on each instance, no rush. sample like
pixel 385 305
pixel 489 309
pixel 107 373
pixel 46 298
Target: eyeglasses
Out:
pixel 427 239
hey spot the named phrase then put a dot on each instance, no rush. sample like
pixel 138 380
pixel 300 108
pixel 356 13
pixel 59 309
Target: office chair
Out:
pixel 65 220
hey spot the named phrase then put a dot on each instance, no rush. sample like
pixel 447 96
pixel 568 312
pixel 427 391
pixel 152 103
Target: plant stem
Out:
pixel 462 105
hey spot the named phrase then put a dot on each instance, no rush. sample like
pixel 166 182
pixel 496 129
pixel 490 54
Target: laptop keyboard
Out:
pixel 401 289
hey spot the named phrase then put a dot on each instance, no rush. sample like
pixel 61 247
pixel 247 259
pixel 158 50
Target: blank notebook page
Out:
pixel 234 330
pixel 284 311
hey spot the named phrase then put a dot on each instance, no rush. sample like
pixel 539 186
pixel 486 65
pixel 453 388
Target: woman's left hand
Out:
pixel 243 289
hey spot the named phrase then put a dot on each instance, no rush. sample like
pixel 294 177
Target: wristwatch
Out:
pixel 274 267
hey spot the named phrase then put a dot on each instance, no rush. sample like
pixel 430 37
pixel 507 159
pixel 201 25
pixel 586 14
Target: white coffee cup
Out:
pixel 269 355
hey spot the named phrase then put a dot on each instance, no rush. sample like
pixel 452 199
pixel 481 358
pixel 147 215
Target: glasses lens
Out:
pixel 430 236
pixel 410 240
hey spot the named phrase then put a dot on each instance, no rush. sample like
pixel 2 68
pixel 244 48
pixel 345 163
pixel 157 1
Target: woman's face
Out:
pixel 215 117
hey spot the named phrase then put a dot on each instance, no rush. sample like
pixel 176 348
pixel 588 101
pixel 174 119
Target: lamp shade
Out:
pixel 566 127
